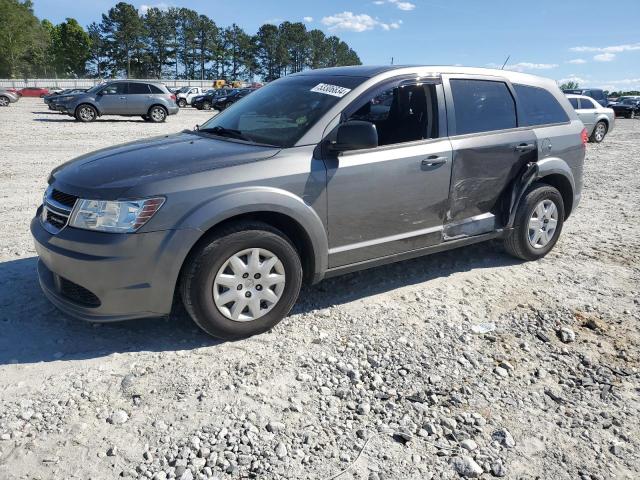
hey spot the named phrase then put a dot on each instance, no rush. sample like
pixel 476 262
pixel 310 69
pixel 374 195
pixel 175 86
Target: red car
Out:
pixel 33 92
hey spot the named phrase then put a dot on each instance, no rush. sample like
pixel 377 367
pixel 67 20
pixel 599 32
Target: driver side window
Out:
pixel 401 114
pixel 115 89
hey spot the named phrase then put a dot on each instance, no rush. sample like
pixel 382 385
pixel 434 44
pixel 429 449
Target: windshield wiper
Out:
pixel 226 132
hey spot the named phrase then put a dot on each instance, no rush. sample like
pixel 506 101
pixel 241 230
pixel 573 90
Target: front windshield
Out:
pixel 95 88
pixel 628 101
pixel 282 112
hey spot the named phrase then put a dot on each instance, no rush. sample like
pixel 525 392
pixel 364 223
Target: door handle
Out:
pixel 433 161
pixel 525 147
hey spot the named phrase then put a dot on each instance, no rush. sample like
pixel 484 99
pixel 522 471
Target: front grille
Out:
pixel 78 294
pixel 56 219
pixel 64 198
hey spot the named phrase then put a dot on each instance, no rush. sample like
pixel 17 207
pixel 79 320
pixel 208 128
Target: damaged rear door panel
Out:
pixel 491 152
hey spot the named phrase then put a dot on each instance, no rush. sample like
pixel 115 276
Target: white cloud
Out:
pixel 400 4
pixel 604 57
pixel 577 61
pixel 573 78
pixel 611 49
pixel 307 19
pixel 357 22
pixel 145 8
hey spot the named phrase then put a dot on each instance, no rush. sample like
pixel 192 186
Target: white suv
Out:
pixel 186 95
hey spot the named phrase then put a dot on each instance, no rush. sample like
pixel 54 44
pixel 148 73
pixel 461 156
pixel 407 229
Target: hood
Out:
pixel 110 172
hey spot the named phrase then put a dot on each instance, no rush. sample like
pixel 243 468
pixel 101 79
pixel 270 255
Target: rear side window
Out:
pixel 574 102
pixel 539 106
pixel 155 89
pixel 138 88
pixel 586 104
pixel 482 106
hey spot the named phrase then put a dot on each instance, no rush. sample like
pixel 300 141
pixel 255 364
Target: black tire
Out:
pixel 517 240
pixel 146 118
pixel 157 114
pixel 594 138
pixel 86 113
pixel 206 105
pixel 199 272
pixel 182 103
pixel 227 105
pixel 4 101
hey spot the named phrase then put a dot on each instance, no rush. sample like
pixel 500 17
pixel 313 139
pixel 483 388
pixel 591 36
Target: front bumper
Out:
pixel 105 277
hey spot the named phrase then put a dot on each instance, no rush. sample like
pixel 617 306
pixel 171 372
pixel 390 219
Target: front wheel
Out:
pixel 86 113
pixel 157 114
pixel 538 223
pixel 206 105
pixel 599 132
pixel 242 281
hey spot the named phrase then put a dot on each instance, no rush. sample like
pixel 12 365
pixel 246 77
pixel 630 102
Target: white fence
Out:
pixel 89 82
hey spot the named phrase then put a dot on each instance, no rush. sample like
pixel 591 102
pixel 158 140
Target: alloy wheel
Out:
pixel 4 101
pixel 543 223
pixel 157 114
pixel 601 130
pixel 87 114
pixel 249 284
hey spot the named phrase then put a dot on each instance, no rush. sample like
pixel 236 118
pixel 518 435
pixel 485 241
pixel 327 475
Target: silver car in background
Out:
pixel 7 97
pixel 598 120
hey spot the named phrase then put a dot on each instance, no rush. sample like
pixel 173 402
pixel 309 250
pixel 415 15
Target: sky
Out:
pixel 592 42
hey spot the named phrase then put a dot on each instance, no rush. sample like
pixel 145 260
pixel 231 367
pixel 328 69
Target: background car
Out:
pixel 206 101
pixel 7 97
pixel 225 101
pixel 596 93
pixel 49 99
pixel 598 120
pixel 150 100
pixel 186 95
pixel 33 92
pixel 628 107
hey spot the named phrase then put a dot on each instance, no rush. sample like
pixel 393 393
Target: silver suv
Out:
pixel 314 175
pixel 152 101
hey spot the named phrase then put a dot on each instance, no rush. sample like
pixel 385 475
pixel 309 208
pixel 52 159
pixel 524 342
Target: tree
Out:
pixel 318 49
pixel 159 30
pixel 207 42
pixel 266 52
pixel 71 48
pixel 97 49
pixel 234 40
pixel 570 85
pixel 187 40
pixel 22 39
pixel 122 30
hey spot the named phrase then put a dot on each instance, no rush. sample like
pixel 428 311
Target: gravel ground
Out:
pixel 466 363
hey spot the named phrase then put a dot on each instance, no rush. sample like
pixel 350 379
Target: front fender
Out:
pixel 245 200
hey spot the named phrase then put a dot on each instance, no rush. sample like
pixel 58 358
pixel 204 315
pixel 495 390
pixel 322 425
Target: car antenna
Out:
pixel 505 62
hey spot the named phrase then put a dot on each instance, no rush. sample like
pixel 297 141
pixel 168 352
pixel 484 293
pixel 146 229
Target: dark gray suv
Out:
pixel 152 101
pixel 316 174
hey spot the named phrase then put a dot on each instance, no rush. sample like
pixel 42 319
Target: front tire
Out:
pixel 599 132
pixel 157 114
pixel 206 105
pixel 538 223
pixel 86 113
pixel 242 280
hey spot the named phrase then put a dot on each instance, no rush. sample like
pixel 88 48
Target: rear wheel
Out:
pixel 538 223
pixel 157 114
pixel 242 281
pixel 86 113
pixel 182 103
pixel 4 101
pixel 599 132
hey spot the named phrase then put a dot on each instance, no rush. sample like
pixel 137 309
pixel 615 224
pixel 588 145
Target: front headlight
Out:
pixel 111 216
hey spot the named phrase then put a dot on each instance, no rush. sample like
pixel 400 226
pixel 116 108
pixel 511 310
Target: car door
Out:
pixel 139 98
pixel 587 113
pixel 490 148
pixel 390 199
pixel 112 99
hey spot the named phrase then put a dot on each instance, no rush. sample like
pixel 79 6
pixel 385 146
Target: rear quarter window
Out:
pixel 539 107
pixel 155 89
pixel 482 106
pixel 574 103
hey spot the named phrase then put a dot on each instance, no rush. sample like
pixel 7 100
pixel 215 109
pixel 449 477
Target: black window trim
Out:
pixel 451 112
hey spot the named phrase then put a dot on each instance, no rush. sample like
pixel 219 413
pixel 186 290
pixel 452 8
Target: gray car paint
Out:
pixel 120 104
pixel 357 209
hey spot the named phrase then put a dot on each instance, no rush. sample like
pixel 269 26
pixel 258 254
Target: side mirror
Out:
pixel 355 135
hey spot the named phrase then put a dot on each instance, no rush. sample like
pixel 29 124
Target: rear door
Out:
pixel 391 199
pixel 112 99
pixel 491 146
pixel 139 98
pixel 587 113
